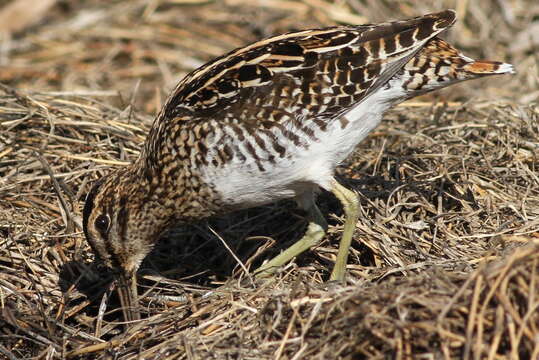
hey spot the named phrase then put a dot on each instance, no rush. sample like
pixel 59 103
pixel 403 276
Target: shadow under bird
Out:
pixel 266 122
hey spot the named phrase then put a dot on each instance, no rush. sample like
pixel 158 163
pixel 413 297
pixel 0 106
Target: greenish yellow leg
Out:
pixel 350 203
pixel 316 230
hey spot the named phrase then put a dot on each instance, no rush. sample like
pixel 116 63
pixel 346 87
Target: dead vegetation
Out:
pixel 446 259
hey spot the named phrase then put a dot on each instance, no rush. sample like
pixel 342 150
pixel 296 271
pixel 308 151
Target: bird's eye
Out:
pixel 102 224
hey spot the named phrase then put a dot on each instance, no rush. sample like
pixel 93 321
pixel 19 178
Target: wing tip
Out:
pixel 445 18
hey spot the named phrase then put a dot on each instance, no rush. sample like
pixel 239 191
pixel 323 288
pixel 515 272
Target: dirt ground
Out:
pixel 445 259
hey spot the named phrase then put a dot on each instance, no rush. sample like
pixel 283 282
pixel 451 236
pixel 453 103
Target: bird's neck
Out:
pixel 174 191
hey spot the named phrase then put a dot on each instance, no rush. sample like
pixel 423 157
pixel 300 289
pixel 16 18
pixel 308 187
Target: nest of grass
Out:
pixel 445 262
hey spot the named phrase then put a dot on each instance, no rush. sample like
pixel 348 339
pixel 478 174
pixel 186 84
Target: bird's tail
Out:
pixel 439 64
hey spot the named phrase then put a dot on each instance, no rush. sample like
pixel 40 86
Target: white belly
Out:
pixel 242 184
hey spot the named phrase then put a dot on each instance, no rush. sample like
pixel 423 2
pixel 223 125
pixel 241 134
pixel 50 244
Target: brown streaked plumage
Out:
pixel 265 122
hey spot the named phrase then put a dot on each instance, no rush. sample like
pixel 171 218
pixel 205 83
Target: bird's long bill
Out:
pixel 127 292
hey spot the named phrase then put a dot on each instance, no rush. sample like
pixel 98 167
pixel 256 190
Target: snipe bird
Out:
pixel 266 122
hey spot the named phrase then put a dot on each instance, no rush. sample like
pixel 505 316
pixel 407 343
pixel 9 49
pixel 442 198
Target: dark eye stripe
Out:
pixel 122 217
pixel 106 252
pixel 89 205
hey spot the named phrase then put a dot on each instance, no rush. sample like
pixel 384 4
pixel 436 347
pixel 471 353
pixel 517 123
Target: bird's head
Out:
pixel 121 231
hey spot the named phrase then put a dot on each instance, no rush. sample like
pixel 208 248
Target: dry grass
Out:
pixel 446 258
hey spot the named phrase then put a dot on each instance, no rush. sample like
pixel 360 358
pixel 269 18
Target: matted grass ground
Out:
pixel 445 262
